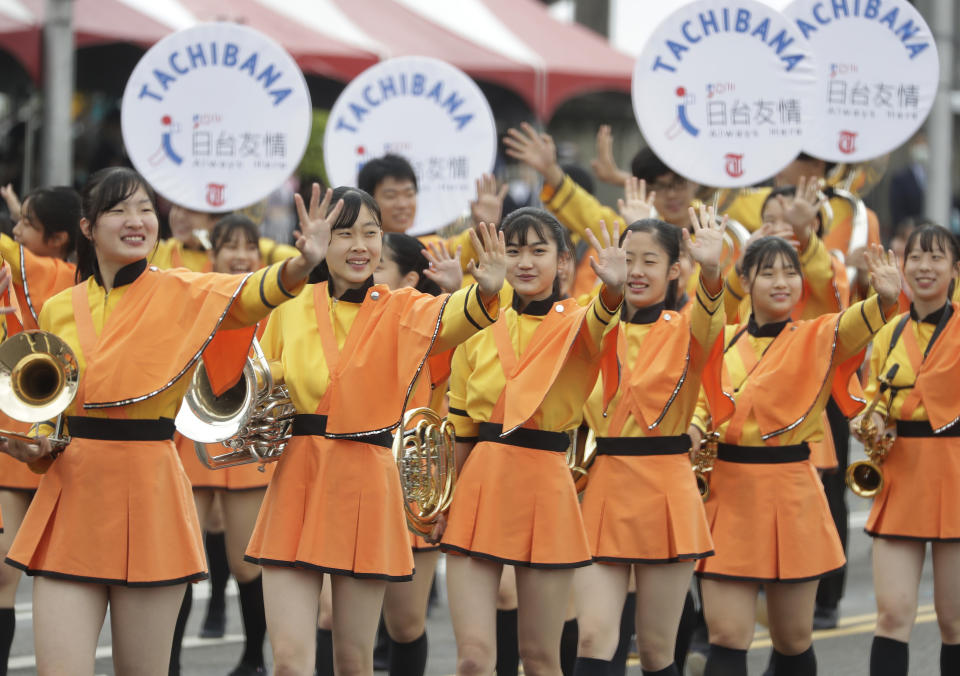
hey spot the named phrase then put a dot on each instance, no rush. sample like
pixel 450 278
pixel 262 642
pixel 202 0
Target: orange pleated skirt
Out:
pixel 920 499
pixel 770 523
pixel 644 509
pixel 517 506
pixel 334 506
pixel 16 475
pixel 113 512
pixel 240 478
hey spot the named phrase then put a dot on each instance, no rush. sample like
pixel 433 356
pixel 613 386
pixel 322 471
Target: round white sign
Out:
pixel 721 92
pixel 877 75
pixel 216 116
pixel 425 110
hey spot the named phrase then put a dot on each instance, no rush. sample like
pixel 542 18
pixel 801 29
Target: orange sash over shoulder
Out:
pixel 384 352
pixel 798 362
pixel 531 375
pixel 169 318
pixel 41 278
pixel 938 374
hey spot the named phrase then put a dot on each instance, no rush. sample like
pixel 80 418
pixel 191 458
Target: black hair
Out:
pixel 225 228
pixel 764 252
pixel 354 199
pixel 669 239
pixel 104 190
pixel 805 157
pixel 407 253
pixel 373 173
pixel 55 210
pixel 580 176
pixel 646 166
pixel 930 235
pixel 788 191
pixel 516 226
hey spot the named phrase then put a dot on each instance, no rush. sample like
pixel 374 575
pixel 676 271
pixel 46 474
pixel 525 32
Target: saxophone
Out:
pixel 703 457
pixel 864 477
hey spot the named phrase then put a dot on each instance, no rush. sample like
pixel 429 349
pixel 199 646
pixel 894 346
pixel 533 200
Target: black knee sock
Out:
pixel 219 574
pixel 666 671
pixel 685 630
pixel 174 669
pixel 508 650
pixel 723 661
pixel 409 659
pixel 949 659
pixel 324 666
pixel 568 647
pixel 254 621
pixel 804 664
pixel 588 666
pixel 8 623
pixel 618 665
pixel 889 657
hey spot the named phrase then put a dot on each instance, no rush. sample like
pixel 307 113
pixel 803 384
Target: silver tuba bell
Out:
pixel 252 419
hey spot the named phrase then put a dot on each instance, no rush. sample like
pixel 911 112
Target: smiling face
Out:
pixel 532 266
pixel 674 195
pixel 30 233
pixel 929 273
pixel 649 270
pixel 125 232
pixel 775 287
pixel 397 199
pixel 354 252
pixel 237 255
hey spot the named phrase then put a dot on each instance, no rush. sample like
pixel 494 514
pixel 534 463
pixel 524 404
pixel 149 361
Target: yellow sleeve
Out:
pixel 577 209
pixel 858 324
pixel 10 252
pixel 599 321
pixel 466 428
pixel 746 208
pixel 273 252
pixel 734 296
pixel 464 315
pixel 701 414
pixel 272 341
pixel 817 266
pixel 263 292
pixel 706 320
pixel 878 357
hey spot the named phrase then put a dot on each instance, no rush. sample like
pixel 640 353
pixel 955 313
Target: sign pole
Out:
pixel 58 72
pixel 940 127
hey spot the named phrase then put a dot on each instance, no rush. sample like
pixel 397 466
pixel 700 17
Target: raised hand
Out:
pixel 489 203
pixel 489 268
pixel 706 244
pixel 313 235
pixel 884 274
pixel 445 270
pixel 610 263
pixel 9 196
pixel 536 150
pixel 604 166
pixel 800 211
pixel 636 203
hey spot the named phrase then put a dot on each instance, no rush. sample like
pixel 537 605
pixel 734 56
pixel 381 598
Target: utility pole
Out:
pixel 939 198
pixel 58 81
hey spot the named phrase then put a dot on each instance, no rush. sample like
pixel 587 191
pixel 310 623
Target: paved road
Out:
pixel 841 652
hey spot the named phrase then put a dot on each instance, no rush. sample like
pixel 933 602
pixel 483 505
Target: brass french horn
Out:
pixel 253 419
pixel 423 448
pixel 39 377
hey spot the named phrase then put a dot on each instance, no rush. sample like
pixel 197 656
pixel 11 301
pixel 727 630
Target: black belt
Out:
pixel 922 428
pixel 644 445
pixel 115 429
pixel 763 454
pixel 312 425
pixel 541 440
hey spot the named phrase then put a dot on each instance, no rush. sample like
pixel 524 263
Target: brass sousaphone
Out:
pixel 39 377
pixel 423 448
pixel 253 419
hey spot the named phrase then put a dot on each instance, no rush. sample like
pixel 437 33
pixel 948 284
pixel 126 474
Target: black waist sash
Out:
pixel 676 445
pixel 525 438
pixel 118 429
pixel 313 425
pixel 922 428
pixel 763 454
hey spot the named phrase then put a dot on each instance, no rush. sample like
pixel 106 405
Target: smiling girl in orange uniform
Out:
pixel 768 515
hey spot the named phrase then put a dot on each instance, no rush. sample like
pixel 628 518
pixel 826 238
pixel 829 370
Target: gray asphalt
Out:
pixel 842 651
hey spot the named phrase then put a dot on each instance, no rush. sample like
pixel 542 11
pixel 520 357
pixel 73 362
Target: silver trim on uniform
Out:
pixel 26 288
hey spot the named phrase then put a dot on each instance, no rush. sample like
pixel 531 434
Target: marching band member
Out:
pixel 641 507
pixel 240 489
pixel 351 352
pixel 920 497
pixel 515 390
pixel 112 521
pixel 768 516
pixel 43 240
